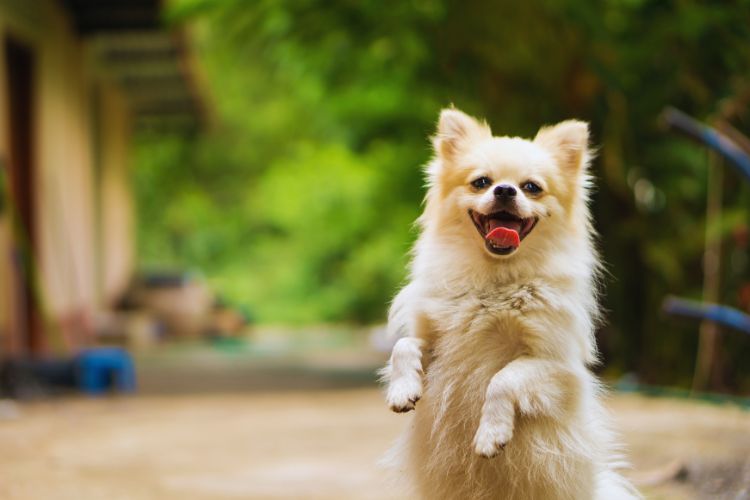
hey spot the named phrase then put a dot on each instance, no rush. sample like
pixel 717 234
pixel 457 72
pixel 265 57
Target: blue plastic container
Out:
pixel 100 369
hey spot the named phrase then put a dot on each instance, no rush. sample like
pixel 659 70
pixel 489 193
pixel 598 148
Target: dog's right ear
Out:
pixel 455 130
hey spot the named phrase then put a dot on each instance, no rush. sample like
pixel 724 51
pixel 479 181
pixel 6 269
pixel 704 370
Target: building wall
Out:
pixel 81 176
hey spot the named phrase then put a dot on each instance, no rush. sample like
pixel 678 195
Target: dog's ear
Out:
pixel 568 142
pixel 455 130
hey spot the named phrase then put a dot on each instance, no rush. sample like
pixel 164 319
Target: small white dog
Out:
pixel 496 325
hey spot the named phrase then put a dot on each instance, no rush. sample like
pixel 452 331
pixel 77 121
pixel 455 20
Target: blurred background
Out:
pixel 208 204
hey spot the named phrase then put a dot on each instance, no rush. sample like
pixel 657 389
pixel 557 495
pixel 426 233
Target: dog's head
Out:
pixel 507 194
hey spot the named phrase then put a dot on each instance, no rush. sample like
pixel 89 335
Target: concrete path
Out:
pixel 320 444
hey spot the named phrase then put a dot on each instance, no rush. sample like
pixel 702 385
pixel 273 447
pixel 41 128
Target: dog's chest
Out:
pixel 497 313
pixel 476 334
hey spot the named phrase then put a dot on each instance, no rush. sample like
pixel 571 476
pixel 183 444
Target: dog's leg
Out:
pixel 404 374
pixel 533 386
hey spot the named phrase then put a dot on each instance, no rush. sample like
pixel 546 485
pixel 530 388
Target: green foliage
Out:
pixel 299 201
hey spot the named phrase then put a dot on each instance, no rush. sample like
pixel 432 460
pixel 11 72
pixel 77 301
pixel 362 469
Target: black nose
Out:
pixel 504 191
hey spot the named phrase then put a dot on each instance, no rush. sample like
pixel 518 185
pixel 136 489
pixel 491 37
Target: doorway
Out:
pixel 26 334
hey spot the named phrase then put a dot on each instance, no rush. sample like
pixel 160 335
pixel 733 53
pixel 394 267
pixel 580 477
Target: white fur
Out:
pixel 495 349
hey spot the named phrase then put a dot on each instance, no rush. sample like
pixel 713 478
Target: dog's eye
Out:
pixel 531 187
pixel 481 182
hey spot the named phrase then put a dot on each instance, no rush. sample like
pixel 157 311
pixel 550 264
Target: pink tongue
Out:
pixel 504 237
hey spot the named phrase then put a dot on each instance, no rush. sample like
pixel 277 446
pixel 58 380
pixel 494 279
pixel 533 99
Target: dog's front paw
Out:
pixel 404 392
pixel 491 438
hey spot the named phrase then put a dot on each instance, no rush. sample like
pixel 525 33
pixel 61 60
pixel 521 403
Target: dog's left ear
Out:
pixel 568 142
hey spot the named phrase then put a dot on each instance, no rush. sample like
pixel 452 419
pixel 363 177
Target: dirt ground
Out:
pixel 310 444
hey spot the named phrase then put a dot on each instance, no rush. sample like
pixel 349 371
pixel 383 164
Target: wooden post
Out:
pixel 709 331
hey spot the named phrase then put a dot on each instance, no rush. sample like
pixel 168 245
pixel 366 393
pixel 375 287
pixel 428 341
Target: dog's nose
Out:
pixel 504 191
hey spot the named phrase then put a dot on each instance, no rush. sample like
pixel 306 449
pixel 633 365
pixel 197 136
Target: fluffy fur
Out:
pixel 493 349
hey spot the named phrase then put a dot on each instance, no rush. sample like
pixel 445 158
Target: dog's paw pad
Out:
pixel 403 395
pixel 403 409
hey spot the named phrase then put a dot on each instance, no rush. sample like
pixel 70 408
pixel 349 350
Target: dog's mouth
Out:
pixel 502 231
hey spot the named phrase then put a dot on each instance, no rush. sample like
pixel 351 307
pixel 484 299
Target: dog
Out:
pixel 496 325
